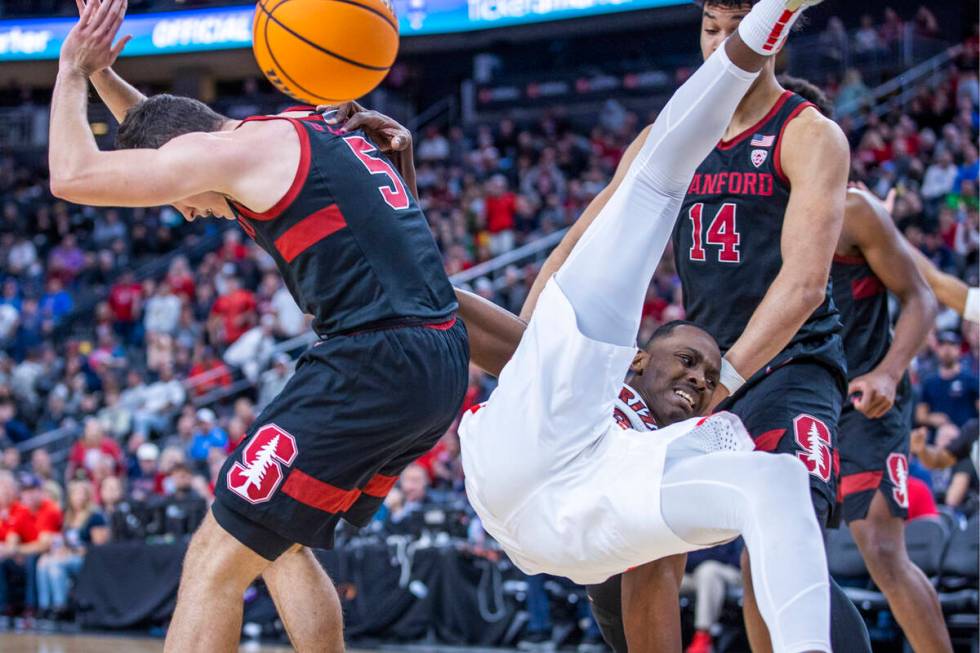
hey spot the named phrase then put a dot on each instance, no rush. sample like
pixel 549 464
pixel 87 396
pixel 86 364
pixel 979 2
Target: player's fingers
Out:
pixel 88 11
pixel 121 44
pixel 81 6
pixel 890 200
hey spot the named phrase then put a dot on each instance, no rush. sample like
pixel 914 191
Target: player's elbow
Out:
pixel 810 294
pixel 65 186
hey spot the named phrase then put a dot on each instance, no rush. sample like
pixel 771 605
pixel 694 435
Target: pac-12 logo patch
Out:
pixel 258 475
pixel 759 157
pixel 898 474
pixel 813 437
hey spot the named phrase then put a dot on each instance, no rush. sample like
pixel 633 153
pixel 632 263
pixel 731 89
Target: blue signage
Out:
pixel 231 27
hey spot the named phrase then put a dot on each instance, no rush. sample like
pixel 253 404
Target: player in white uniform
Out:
pixel 563 487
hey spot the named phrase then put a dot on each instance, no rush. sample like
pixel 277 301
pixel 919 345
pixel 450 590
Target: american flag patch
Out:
pixel 762 141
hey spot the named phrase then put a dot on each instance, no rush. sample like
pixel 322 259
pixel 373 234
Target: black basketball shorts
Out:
pixel 358 410
pixel 793 409
pixel 874 455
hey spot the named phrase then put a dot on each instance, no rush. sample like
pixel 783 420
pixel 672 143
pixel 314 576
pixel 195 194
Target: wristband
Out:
pixel 972 310
pixel 730 378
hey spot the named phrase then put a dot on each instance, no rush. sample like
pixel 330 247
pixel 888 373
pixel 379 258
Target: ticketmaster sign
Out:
pixel 231 27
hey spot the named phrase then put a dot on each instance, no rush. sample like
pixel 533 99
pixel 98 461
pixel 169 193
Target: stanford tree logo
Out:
pixel 258 475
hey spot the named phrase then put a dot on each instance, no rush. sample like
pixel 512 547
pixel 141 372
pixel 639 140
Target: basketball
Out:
pixel 325 51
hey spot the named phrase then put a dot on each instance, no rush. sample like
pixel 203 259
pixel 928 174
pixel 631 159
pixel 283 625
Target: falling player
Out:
pixel 753 247
pixel 566 489
pixel 874 430
pixel 378 390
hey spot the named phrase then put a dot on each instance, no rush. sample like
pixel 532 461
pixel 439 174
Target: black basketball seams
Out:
pixel 282 70
pixel 340 57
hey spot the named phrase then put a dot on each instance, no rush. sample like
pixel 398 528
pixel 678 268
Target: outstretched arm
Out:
pixel 816 160
pixel 116 92
pixel 949 290
pixel 870 228
pixel 494 332
pixel 567 244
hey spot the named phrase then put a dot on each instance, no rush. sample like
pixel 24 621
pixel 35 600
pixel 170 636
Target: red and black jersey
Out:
pixel 353 246
pixel 727 238
pixel 863 302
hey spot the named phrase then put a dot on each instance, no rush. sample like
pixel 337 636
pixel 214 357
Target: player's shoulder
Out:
pixel 810 127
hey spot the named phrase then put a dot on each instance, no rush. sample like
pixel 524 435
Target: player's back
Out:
pixel 727 237
pixel 353 246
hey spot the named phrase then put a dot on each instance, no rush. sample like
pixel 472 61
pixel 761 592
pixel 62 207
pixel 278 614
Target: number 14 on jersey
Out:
pixel 722 232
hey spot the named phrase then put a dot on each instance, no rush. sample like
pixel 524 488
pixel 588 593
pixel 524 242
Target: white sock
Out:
pixel 767 26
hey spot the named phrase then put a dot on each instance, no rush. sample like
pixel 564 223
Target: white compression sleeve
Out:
pixel 707 499
pixel 606 276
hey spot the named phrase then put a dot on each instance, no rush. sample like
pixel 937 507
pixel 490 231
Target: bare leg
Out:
pixel 881 539
pixel 755 626
pixel 307 602
pixel 217 571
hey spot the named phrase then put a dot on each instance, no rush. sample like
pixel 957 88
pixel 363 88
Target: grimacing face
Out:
pixel 677 374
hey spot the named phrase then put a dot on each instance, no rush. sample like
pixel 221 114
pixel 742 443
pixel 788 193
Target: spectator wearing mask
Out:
pixel 208 435
pixel 949 396
pixel 85 526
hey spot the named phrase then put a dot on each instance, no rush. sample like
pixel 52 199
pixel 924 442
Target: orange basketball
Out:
pixel 325 51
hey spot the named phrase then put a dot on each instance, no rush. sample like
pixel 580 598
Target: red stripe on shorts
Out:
pixel 769 440
pixel 380 485
pixel 317 494
pixel 860 482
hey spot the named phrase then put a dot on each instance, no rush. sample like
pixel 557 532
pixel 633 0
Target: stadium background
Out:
pixel 136 349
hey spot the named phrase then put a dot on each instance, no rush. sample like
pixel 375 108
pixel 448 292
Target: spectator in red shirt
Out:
pixel 208 372
pixel 232 249
pixel 125 302
pixel 499 208
pixel 181 280
pixel 233 313
pixel 83 458
pixel 26 531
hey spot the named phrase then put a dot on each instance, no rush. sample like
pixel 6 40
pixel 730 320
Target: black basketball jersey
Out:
pixel 862 300
pixel 353 246
pixel 727 237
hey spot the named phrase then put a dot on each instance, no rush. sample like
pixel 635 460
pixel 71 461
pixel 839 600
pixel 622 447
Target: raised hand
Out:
pixel 88 47
pixel 388 133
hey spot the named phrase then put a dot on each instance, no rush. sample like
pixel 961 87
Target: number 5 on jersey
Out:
pixel 393 192
pixel 722 232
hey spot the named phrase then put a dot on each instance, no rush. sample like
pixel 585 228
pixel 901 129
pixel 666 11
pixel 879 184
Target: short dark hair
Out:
pixel 668 328
pixel 161 118
pixel 808 92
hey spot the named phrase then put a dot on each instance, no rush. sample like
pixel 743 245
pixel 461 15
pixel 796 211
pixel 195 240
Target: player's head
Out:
pixel 159 119
pixel 808 92
pixel 719 20
pixel 676 373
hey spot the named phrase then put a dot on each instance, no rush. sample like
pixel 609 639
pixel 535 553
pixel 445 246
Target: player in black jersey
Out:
pixel 381 386
pixel 872 260
pixel 753 247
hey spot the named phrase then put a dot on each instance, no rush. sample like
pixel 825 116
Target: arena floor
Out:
pixel 86 643
pixel 44 643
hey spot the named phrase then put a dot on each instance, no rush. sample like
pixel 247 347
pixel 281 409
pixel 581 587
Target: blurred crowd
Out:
pixel 150 345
